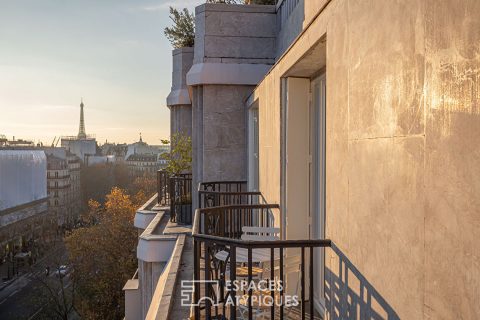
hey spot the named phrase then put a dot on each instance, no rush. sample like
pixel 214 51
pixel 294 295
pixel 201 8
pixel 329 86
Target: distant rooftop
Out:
pixel 142 157
pixel 15 142
pixel 87 137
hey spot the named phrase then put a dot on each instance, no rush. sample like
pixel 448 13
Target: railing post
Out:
pixel 159 194
pixel 250 309
pixel 233 278
pixel 311 285
pixel 200 200
pixel 282 283
pixel 172 201
pixel 272 278
pixel 207 283
pixel 302 272
pixel 196 277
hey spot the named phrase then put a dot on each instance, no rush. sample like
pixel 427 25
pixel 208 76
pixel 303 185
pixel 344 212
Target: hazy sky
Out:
pixel 110 52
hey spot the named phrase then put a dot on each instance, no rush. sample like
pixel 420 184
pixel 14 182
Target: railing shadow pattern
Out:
pixel 343 302
pixel 225 207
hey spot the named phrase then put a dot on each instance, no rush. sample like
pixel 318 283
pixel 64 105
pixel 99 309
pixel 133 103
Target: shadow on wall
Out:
pixel 348 295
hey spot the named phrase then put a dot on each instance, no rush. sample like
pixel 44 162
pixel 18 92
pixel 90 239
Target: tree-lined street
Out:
pixel 27 296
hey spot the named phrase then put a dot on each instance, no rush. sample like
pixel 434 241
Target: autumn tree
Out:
pixel 90 216
pixel 147 184
pixel 103 257
pixel 97 180
pixel 58 293
pixel 121 175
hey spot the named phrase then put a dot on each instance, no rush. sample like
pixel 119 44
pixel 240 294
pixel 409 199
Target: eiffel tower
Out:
pixel 81 129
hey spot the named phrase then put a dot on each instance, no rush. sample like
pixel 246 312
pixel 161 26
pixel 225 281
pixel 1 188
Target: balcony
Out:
pixel 175 191
pixel 58 187
pixel 181 198
pixel 235 239
pixel 59 177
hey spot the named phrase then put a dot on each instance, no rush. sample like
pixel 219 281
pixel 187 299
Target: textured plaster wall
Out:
pixel 235 34
pixel 312 8
pixel 181 119
pixel 403 155
pixel 267 95
pixel 224 132
pixel 452 151
pixel 182 60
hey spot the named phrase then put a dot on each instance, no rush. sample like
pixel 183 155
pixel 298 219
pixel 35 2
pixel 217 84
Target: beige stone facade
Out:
pixel 140 165
pixel 402 157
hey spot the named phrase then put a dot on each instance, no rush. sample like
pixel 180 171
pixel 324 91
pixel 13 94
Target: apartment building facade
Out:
pixel 63 185
pixel 73 163
pixel 358 121
pixel 59 188
pixel 140 165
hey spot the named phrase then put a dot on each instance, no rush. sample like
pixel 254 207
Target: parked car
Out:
pixel 61 271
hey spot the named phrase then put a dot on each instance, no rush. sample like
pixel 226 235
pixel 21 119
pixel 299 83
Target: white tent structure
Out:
pixel 23 177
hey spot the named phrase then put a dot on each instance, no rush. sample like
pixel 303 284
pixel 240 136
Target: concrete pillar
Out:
pixel 178 101
pixel 228 63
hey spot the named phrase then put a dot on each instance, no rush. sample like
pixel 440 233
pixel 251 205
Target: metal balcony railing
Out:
pixel 176 191
pixel 222 257
pixel 284 10
pixel 214 194
pixel 163 187
pixel 59 177
pixel 59 187
pixel 181 198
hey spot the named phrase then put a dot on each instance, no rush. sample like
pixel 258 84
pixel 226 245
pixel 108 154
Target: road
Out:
pixel 23 302
pixel 27 296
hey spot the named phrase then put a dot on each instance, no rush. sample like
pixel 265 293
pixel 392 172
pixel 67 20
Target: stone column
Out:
pixel 228 64
pixel 178 101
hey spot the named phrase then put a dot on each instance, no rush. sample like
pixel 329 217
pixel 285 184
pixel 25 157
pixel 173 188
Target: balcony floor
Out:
pixel 185 271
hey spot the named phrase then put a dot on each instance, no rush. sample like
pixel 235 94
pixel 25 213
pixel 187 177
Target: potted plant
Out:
pixel 179 167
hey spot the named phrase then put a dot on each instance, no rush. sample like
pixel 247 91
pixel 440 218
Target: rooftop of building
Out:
pixel 142 157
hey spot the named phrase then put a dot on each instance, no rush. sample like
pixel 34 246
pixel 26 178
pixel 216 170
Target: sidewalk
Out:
pixel 3 272
pixel 24 271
